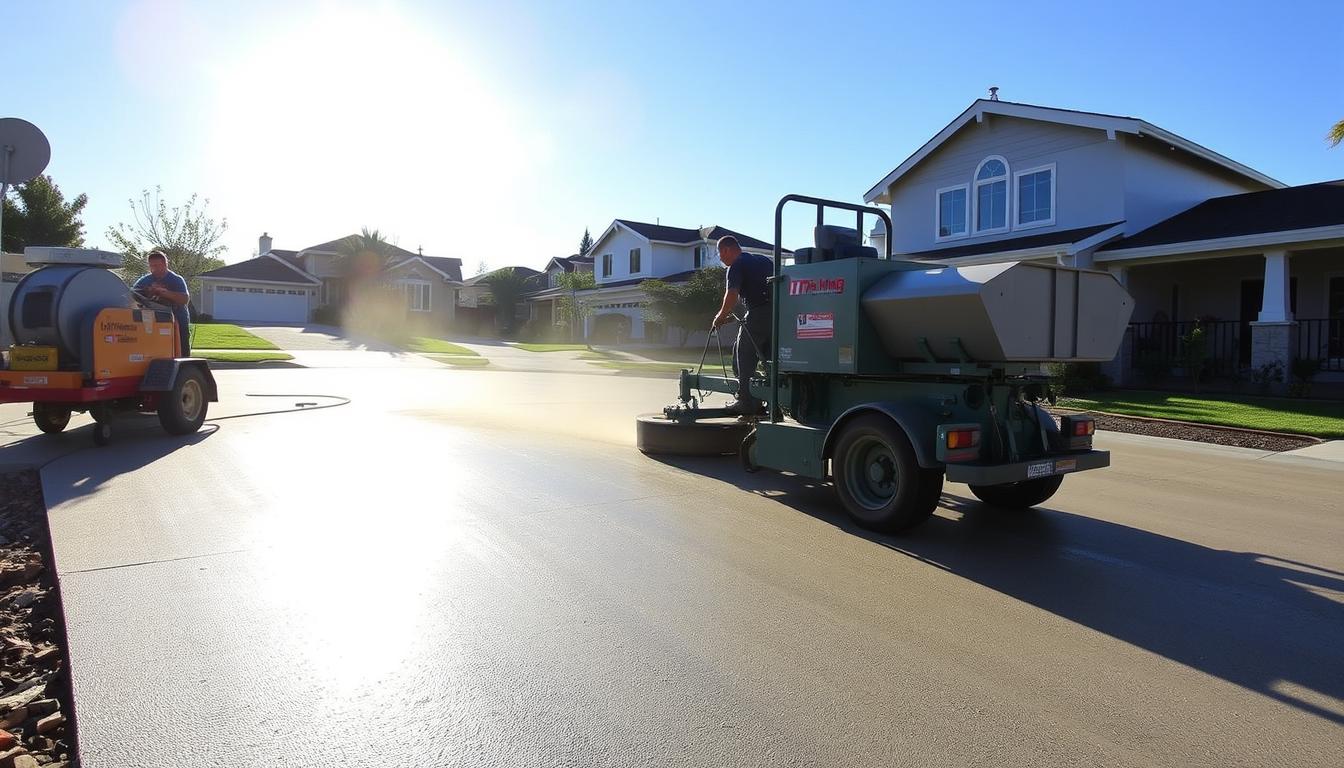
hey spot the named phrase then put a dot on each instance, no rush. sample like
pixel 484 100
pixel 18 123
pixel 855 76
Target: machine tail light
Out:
pixel 1077 431
pixel 958 442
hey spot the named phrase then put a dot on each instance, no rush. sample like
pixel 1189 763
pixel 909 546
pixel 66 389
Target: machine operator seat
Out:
pixel 832 244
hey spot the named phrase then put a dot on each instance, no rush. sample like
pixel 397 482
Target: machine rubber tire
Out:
pixel 746 453
pixel 878 479
pixel 102 433
pixel 50 418
pixel 657 435
pixel 182 411
pixel 1027 493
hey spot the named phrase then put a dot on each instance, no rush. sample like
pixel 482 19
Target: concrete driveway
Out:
pixel 474 567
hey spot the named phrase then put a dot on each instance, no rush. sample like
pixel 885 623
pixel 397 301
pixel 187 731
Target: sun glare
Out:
pixel 367 117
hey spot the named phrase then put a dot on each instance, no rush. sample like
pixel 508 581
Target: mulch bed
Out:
pixel 1240 438
pixel 35 708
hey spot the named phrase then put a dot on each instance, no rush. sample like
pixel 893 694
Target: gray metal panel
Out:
pixel 78 292
pixel 1000 313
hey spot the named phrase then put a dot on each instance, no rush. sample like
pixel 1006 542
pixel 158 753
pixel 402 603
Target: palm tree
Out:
pixel 365 254
pixel 507 285
pixel 1336 134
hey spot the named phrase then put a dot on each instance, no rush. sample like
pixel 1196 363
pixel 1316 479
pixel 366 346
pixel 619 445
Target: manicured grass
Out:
pixel 437 347
pixel 461 361
pixel 1302 417
pixel 241 357
pixel 551 347
pixel 225 336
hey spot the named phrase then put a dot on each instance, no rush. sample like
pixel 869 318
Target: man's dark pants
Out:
pixel 184 333
pixel 754 328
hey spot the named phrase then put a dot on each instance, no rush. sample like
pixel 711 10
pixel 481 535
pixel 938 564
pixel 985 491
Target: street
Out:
pixel 432 566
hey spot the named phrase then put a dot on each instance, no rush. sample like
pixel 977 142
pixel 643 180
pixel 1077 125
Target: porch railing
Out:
pixel 1323 341
pixel 1158 348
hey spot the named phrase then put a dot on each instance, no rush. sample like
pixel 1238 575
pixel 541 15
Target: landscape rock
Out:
pixel 50 723
pixel 26 761
pixel 7 740
pixel 31 692
pixel 14 718
pixel 9 757
pixel 50 652
pixel 43 707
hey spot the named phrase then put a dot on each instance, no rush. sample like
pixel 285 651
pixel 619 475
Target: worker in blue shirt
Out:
pixel 748 275
pixel 167 287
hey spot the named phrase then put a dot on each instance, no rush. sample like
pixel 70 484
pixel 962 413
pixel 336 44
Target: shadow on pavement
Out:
pixel 137 442
pixel 1261 622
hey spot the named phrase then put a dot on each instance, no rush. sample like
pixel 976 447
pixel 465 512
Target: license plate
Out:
pixel 1040 469
pixel 32 358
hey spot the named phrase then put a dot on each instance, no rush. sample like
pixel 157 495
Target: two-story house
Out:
pixel 1193 235
pixel 630 252
pixel 283 286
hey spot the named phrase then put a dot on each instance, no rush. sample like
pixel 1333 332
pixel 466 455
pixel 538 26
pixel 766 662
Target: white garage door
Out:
pixel 249 305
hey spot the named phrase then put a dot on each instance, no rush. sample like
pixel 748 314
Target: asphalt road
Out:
pixel 476 568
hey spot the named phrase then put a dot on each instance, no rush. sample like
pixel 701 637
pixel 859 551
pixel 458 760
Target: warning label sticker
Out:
pixel 816 325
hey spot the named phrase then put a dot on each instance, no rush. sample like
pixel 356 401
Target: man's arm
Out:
pixel 729 302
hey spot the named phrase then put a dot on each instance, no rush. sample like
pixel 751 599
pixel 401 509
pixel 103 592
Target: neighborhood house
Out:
pixel 1193 235
pixel 281 286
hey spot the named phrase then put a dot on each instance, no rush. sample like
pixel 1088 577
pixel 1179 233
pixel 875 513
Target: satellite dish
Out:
pixel 24 153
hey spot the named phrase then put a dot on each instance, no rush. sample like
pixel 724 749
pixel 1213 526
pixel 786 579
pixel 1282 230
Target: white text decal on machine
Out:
pixel 816 285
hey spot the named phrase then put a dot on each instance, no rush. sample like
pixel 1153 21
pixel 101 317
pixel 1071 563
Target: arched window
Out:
pixel 991 195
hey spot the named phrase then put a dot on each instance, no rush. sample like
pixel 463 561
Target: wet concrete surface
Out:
pixel 474 567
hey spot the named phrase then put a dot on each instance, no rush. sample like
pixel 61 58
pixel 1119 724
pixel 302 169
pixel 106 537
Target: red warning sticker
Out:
pixel 815 325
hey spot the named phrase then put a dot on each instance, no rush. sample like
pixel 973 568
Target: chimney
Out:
pixel 263 244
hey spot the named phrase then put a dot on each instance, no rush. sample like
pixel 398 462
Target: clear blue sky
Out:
pixel 497 131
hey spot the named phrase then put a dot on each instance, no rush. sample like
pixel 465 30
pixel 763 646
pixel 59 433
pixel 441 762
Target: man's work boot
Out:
pixel 746 408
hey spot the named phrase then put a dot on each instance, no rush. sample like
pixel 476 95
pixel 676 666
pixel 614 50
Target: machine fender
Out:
pixel 919 422
pixel 161 376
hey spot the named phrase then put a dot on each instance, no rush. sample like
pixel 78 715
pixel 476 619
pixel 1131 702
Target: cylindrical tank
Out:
pixel 53 306
pixel 1021 312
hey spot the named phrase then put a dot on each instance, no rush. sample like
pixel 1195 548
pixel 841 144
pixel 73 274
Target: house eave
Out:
pixel 1315 237
pixel 227 279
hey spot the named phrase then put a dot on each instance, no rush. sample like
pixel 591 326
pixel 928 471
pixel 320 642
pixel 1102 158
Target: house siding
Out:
pixel 671 259
pixel 1156 188
pixel 1089 169
pixel 618 244
pixel 442 301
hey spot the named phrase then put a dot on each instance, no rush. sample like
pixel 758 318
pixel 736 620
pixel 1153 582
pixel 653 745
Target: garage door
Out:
pixel 257 305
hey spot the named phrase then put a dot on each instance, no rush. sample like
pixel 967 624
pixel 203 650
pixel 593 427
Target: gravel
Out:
pixel 35 708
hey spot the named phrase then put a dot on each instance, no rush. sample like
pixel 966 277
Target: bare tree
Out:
pixel 185 232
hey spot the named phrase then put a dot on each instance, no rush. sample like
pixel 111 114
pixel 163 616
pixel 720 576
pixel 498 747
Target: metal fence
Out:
pixel 1323 341
pixel 1159 348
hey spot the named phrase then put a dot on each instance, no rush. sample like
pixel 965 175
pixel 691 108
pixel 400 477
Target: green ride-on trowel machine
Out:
pixel 888 376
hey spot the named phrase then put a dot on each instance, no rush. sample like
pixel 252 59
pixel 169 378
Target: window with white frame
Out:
pixel 1035 196
pixel 417 295
pixel 699 257
pixel 606 265
pixel 952 212
pixel 991 195
pixel 634 261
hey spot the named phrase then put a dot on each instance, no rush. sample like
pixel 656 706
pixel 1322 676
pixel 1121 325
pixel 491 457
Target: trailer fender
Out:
pixel 161 376
pixel 919 422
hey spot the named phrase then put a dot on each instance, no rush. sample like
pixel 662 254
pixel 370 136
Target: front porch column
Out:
pixel 1276 306
pixel 1274 334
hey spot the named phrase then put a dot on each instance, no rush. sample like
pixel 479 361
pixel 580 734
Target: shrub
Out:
pixel 1303 370
pixel 1077 378
pixel 1153 366
pixel 1264 377
pixel 1194 353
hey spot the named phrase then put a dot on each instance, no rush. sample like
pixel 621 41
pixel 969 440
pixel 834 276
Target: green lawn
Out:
pixel 437 347
pixel 551 347
pixel 630 365
pixel 461 361
pixel 241 357
pixel 1303 417
pixel 225 336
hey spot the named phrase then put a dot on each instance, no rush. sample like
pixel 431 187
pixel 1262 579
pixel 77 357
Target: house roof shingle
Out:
pixel 528 272
pixel 1044 240
pixel 1253 213
pixel 260 268
pixel 681 235
pixel 448 265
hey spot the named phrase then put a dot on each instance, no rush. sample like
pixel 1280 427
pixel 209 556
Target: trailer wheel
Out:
pixel 182 410
pixel 656 434
pixel 102 433
pixel 1027 493
pixel 878 479
pixel 50 418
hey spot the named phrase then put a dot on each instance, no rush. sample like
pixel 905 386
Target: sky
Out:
pixel 497 132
